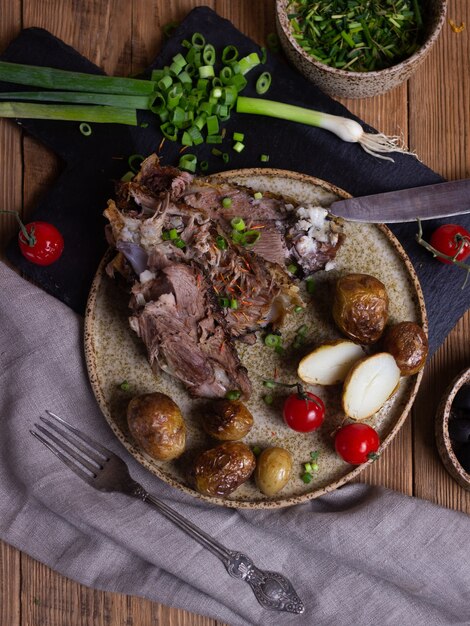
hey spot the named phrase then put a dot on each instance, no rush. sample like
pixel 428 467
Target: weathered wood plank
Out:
pixel 10 199
pixel 439 121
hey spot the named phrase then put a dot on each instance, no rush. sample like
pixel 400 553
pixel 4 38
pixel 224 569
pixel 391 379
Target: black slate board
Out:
pixel 76 201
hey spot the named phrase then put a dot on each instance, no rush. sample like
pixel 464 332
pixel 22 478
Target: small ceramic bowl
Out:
pixel 444 443
pixel 345 84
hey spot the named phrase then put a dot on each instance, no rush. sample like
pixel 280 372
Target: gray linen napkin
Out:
pixel 361 555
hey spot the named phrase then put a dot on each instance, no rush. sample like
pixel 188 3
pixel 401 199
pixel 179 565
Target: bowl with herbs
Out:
pixel 358 48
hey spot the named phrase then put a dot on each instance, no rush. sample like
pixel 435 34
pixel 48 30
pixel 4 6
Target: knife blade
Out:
pixel 406 205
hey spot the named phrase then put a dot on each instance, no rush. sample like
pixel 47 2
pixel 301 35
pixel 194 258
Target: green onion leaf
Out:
pixel 69 112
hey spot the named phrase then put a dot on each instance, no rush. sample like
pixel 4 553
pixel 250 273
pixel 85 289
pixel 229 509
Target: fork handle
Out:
pixel 272 590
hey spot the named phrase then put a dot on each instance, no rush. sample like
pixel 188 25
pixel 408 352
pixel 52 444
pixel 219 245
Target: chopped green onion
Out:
pixel 234 303
pixel 216 152
pixel 204 165
pixel 135 161
pixel 298 309
pixel 224 302
pixel 128 176
pixel 314 455
pixel 233 395
pixel 221 243
pixel 250 237
pixel 279 350
pixel 273 42
pixel 85 129
pixel 258 195
pixel 256 450
pixel 293 269
pixel 264 158
pixel 303 330
pixel 308 468
pixel 310 285
pixel 263 83
pixel 315 467
pixel 125 386
pixel 238 136
pixel 237 223
pixel 270 384
pixel 272 341
pixel 238 147
pixel 169 29
pixel 188 162
pixel 206 71
pixel 208 54
pixel 179 243
pixel 225 157
pixel 229 54
pixel 248 63
pixel 198 41
pixel 268 399
pixel 264 56
pixel 307 478
pixel 165 235
pixel 173 233
pixel 226 203
pixel 214 139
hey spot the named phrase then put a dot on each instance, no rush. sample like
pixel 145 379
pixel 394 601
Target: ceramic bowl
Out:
pixel 345 84
pixel 444 444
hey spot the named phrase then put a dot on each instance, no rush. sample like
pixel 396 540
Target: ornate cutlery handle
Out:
pixel 272 590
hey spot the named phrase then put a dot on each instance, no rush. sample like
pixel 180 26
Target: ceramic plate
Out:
pixel 114 354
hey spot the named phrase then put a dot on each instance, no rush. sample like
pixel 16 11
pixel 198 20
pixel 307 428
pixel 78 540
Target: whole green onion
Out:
pixel 69 112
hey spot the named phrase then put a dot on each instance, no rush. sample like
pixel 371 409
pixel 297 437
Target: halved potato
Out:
pixel 330 363
pixel 369 384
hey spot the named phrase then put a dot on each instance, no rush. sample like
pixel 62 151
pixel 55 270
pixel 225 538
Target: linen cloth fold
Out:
pixel 361 555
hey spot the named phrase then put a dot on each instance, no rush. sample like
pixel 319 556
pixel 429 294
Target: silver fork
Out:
pixel 105 471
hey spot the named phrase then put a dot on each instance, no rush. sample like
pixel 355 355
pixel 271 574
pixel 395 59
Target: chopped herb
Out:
pixel 125 386
pixel 268 399
pixel 264 158
pixel 307 478
pixel 298 309
pixel 256 450
pixel 272 341
pixel 239 146
pixel 233 395
pixel 238 136
pixel 310 285
pixel 293 268
pixel 227 203
pixel 258 195
pixel 269 384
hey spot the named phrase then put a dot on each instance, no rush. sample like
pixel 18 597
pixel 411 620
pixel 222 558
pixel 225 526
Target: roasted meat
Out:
pixel 195 288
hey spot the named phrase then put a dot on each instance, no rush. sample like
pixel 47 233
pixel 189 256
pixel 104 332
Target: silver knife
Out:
pixel 406 205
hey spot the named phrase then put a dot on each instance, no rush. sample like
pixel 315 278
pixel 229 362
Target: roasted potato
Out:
pixel 220 470
pixel 360 307
pixel 227 420
pixel 157 425
pixel 273 470
pixel 408 344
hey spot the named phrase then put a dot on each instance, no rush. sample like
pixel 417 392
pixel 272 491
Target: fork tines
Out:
pixel 79 452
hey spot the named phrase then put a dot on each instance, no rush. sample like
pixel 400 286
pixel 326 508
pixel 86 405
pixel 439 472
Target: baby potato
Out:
pixel 408 344
pixel 360 307
pixel 273 470
pixel 228 420
pixel 220 470
pixel 157 425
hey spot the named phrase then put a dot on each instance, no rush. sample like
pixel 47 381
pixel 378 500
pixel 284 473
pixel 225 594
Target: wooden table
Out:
pixel 432 111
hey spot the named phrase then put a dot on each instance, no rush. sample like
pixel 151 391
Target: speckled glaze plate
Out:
pixel 114 354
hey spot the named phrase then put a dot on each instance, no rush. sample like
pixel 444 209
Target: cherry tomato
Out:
pixel 448 239
pixel 303 412
pixel 45 244
pixel 355 443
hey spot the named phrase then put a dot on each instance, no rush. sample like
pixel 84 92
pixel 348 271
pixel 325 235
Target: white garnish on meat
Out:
pixel 330 266
pixel 145 276
pixel 304 245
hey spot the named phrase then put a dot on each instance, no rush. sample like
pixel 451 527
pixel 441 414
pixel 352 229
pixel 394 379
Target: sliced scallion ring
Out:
pixel 135 161
pixel 85 129
pixel 188 162
pixel 263 83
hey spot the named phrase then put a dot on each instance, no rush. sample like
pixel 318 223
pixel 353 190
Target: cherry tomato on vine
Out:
pixel 44 243
pixel 303 411
pixel 356 443
pixel 448 239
